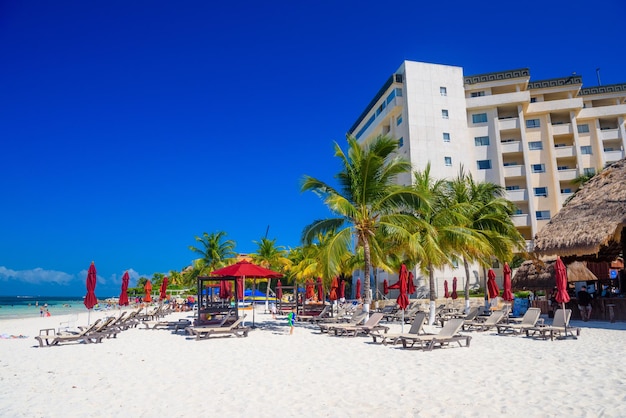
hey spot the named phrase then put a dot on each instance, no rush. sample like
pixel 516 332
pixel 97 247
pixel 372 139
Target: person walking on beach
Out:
pixel 291 317
pixel 584 303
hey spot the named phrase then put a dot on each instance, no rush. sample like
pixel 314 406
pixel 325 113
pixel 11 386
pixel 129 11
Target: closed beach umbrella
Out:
pixel 454 295
pixel 90 298
pixel 148 289
pixel 492 286
pixel 411 286
pixel 124 294
pixel 333 289
pixel 357 291
pixel 163 293
pixel 385 287
pixel 342 289
pixel 279 290
pixel 446 292
pixel 561 296
pixel 507 295
pixel 403 299
pixel 320 290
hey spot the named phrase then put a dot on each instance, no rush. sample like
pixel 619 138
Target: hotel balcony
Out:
pixel 597 112
pixel 607 134
pixel 612 156
pixel 519 195
pixel 568 175
pixel 514 171
pixel 495 100
pixel 554 105
pixel 512 146
pixel 562 152
pixel 521 220
pixel 508 124
pixel 562 129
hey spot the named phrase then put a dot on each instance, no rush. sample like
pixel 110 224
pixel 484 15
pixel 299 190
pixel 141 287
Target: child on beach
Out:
pixel 291 317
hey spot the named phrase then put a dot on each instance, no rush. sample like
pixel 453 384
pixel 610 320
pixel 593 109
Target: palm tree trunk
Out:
pixel 433 294
pixel 467 285
pixel 366 272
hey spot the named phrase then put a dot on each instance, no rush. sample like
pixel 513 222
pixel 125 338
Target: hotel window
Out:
pixel 400 142
pixel 479 118
pixel 444 113
pixel 533 123
pixel 535 145
pixel 399 121
pixel 496 264
pixel 483 164
pixel 446 137
pixel 477 94
pixel 455 263
pixel 533 100
pixel 542 215
pixel 443 91
pixel 481 141
pixel 447 161
pixel 512 187
pixel 541 191
pixel 518 212
pixel 582 129
pixel 565 191
pixel 589 171
pixel 586 149
pixel 538 168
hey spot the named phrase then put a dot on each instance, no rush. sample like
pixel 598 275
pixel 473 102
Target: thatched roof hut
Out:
pixel 538 275
pixel 591 225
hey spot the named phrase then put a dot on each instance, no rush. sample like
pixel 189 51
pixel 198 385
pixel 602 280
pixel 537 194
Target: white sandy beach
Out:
pixel 150 373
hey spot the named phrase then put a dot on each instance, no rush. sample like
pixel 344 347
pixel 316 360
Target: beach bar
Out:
pixel 213 308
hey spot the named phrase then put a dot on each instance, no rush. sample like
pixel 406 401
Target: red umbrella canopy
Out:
pixel 492 286
pixel 90 299
pixel 124 294
pixel 163 293
pixel 385 287
pixel 148 289
pixel 411 286
pixel 403 299
pixel 402 277
pixel 279 290
pixel 357 292
pixel 333 289
pixel 561 281
pixel 446 292
pixel 507 295
pixel 246 269
pixel 454 295
pixel 320 289
pixel 342 289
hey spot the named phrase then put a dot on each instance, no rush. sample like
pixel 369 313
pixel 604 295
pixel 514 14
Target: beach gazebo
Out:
pixel 539 275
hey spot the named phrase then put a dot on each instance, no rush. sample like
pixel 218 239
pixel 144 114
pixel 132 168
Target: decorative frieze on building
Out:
pixel 501 75
pixel 555 82
pixel 613 88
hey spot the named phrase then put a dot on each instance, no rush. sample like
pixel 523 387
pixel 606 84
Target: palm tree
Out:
pixel 367 201
pixel 215 250
pixel 272 257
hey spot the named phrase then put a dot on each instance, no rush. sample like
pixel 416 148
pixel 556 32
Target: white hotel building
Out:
pixel 532 137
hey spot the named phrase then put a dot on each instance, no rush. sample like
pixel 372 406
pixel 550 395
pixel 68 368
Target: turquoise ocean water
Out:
pixel 12 307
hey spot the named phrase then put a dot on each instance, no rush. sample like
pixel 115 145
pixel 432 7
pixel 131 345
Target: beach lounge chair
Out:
pixel 324 313
pixel 448 334
pixel 529 320
pixel 484 325
pixel 370 325
pixel 417 327
pixel 48 337
pixel 204 333
pixel 560 327
pixel 470 316
pixel 355 319
pixel 168 325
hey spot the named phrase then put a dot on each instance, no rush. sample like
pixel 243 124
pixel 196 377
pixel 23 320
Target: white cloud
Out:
pixel 37 275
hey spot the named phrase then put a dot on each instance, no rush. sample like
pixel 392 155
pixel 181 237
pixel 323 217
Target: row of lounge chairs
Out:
pixel 226 328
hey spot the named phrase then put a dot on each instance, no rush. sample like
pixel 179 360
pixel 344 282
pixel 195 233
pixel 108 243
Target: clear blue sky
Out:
pixel 129 127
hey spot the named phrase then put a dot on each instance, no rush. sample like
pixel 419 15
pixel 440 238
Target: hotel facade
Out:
pixel 534 138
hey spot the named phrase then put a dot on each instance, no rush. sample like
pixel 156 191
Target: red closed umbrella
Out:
pixel 320 290
pixel 492 286
pixel 357 292
pixel 411 286
pixel 163 294
pixel 454 295
pixel 403 299
pixel 342 289
pixel 385 287
pixel 561 296
pixel 446 292
pixel 279 290
pixel 507 295
pixel 124 294
pixel 148 289
pixel 333 289
pixel 90 298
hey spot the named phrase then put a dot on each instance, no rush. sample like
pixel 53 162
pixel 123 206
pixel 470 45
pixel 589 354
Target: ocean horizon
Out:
pixel 27 306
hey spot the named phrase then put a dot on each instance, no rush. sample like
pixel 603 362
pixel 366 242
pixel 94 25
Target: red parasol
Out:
pixel 320 290
pixel 90 299
pixel 124 295
pixel 411 286
pixel 279 290
pixel 239 285
pixel 446 292
pixel 357 291
pixel 562 296
pixel 492 286
pixel 385 287
pixel 223 293
pixel 246 269
pixel 507 295
pixel 403 299
pixel 148 290
pixel 342 289
pixel 333 289
pixel 163 294
pixel 454 295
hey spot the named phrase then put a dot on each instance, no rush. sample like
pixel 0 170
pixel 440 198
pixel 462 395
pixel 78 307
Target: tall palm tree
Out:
pixel 270 256
pixel 367 200
pixel 215 250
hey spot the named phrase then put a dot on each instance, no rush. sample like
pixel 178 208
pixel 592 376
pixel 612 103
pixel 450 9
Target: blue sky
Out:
pixel 129 127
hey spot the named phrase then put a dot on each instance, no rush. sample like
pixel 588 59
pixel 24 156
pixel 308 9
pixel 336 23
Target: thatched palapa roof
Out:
pixel 591 225
pixel 538 275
